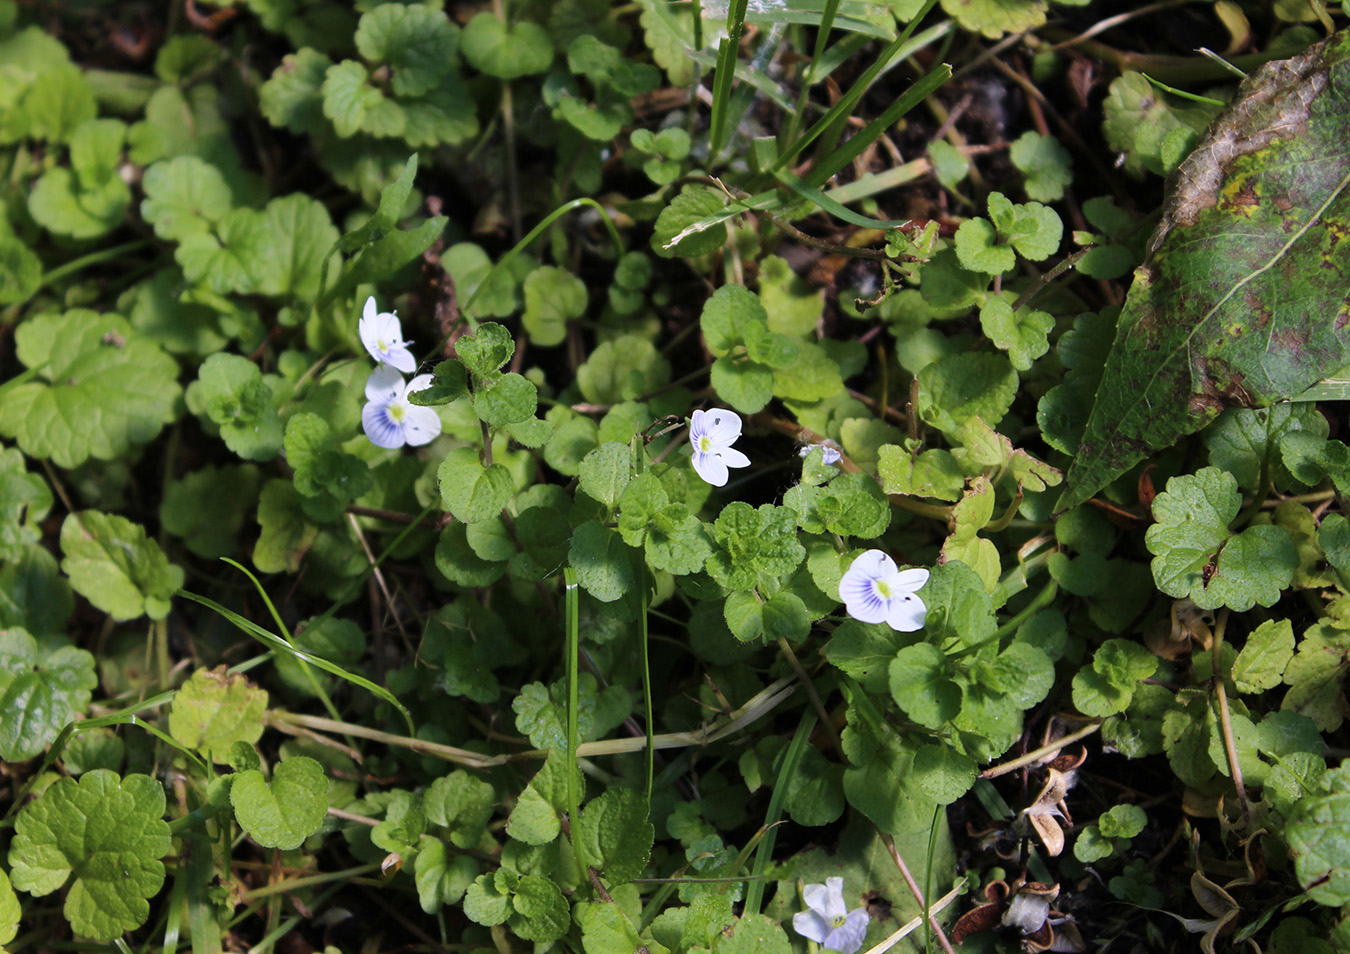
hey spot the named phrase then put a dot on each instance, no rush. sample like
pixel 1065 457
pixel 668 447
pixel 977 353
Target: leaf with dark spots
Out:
pixel 1246 296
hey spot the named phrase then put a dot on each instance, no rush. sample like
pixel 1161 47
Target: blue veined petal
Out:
pixel 382 430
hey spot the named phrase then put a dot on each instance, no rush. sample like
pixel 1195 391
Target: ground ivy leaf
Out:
pixel 1024 335
pixel 616 834
pixel 921 685
pixel 206 508
pixel 994 18
pixel 1033 229
pixel 286 811
pixel 40 693
pixel 541 913
pixel 461 803
pixel 299 235
pixel 1232 307
pixel 1245 442
pixel 942 773
pixel 214 709
pixel 230 391
pixel 522 49
pixel 347 97
pixel 954 389
pixel 287 533
pixel 1046 164
pixel 678 231
pixel 1315 674
pixel 1318 841
pixel 978 249
pixel 102 388
pixel 184 196
pixel 293 96
pixel 486 350
pixel 24 500
pixel 9 910
pixel 752 934
pixel 440 878
pixel 106 831
pixel 419 43
pixel 320 468
pixel 113 564
pixel 472 492
pixel 553 297
pixel 1192 535
pixel 932 473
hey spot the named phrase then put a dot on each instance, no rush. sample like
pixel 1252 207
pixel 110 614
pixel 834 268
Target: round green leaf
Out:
pixel 286 811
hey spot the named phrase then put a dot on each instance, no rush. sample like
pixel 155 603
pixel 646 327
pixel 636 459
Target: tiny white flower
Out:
pixel 711 433
pixel 382 335
pixel 874 590
pixel 390 420
pixel 827 920
pixel 828 451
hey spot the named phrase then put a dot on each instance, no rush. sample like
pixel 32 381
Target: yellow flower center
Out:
pixel 397 412
pixel 838 921
pixel 704 444
pixel 882 589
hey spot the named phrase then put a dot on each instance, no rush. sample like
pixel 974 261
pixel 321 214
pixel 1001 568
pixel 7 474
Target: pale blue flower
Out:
pixel 390 420
pixel 827 920
pixel 875 590
pixel 382 335
pixel 829 453
pixel 711 434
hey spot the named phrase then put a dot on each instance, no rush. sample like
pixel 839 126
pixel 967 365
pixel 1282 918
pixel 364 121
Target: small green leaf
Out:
pixel 286 811
pixel 463 804
pixel 348 98
pixel 40 693
pixel 1318 841
pixel 605 473
pixel 207 508
pixel 604 563
pixel 522 49
pixel 102 388
pixel 1196 556
pixel 677 232
pixel 184 196
pixel 957 388
pixel 106 831
pixel 553 297
pixel 943 774
pixel 441 879
pixel 112 563
pixel 920 685
pixel 1024 335
pixel 1261 663
pixel 486 350
pixel 509 399
pixel 417 42
pixel 472 492
pixel 1046 164
pixel 214 709
pixel 616 835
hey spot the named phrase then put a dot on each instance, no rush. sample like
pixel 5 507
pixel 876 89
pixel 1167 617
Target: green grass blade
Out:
pixel 754 891
pixel 727 51
pixel 841 157
pixel 572 649
pixel 276 643
pixel 840 111
pixel 826 204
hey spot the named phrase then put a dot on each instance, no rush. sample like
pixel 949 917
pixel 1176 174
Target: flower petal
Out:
pixel 384 384
pixel 876 564
pixel 733 458
pixel 859 594
pixel 382 431
pixel 906 613
pixel 817 898
pixel 401 358
pixel 711 468
pixel 834 902
pixel 424 381
pixel 911 580
pixel 722 426
pixel 423 425
pixel 848 937
pixel 810 925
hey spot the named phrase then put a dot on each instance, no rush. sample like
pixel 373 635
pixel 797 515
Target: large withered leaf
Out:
pixel 1245 299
